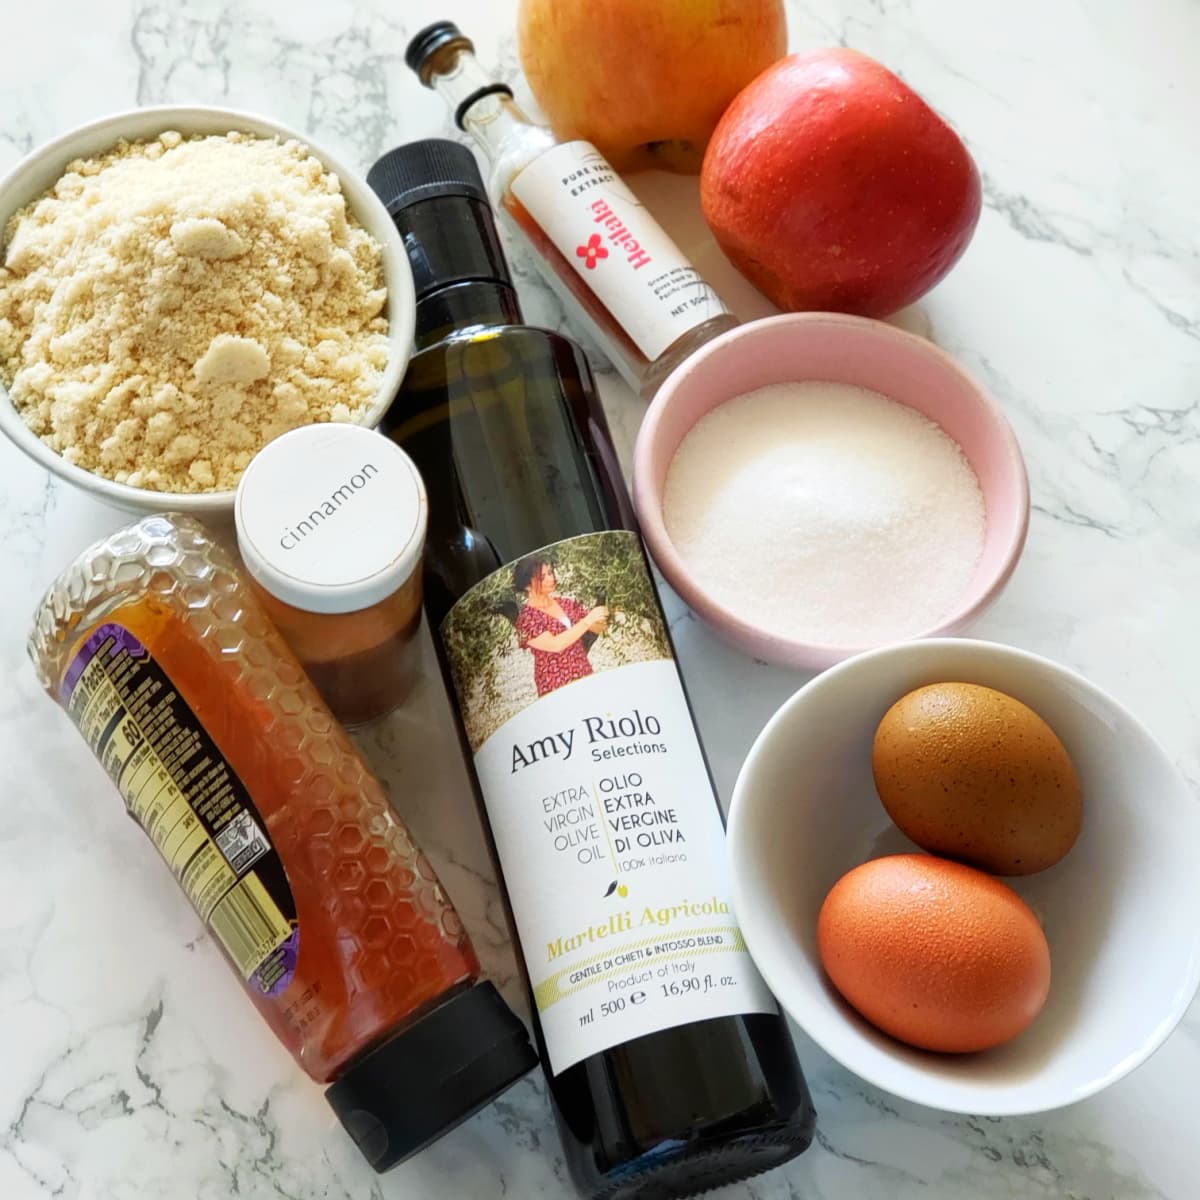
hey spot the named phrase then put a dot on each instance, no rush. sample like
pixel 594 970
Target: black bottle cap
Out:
pixel 431 1076
pixel 421 170
pixel 436 197
pixel 434 38
pixel 428 41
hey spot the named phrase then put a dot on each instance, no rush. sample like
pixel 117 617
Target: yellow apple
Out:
pixel 646 81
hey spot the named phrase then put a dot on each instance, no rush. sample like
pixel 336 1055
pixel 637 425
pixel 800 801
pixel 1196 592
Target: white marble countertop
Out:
pixel 131 1065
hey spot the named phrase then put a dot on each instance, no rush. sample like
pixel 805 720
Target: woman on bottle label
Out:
pixel 554 628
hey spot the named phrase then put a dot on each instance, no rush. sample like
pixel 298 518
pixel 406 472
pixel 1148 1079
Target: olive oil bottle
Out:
pixel 670 1068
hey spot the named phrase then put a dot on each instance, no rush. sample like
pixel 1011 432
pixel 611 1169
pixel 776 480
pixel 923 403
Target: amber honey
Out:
pixel 274 826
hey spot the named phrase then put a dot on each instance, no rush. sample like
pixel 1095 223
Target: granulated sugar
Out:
pixel 826 513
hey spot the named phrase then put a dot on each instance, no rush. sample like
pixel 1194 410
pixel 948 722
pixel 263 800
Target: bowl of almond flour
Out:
pixel 181 285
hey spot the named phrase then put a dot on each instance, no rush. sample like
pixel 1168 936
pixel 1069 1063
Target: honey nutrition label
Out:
pixel 185 795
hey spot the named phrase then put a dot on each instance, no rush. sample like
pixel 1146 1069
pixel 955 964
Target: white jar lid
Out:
pixel 331 518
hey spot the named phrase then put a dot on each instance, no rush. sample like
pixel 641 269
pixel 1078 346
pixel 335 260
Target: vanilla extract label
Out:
pixel 602 810
pixel 615 246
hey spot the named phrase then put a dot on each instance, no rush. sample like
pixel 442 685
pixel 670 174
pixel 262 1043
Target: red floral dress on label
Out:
pixel 552 669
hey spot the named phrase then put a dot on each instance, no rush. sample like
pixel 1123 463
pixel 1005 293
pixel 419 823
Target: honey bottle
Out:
pixel 277 831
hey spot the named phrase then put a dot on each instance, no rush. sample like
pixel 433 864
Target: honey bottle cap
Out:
pixel 432 1075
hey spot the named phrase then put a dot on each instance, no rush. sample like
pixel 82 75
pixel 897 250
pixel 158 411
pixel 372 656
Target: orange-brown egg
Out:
pixel 935 953
pixel 972 774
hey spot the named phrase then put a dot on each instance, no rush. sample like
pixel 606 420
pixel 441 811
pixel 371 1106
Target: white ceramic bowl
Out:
pixel 38 172
pixel 1121 911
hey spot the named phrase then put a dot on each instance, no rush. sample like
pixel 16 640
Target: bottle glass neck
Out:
pixel 494 119
pixel 464 306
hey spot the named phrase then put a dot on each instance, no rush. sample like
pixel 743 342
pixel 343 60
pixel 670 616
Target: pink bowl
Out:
pixel 836 349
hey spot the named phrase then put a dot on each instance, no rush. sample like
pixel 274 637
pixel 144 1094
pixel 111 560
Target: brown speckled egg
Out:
pixel 972 774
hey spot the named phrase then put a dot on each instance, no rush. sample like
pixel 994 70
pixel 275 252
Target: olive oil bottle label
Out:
pixel 603 813
pixel 181 790
pixel 613 243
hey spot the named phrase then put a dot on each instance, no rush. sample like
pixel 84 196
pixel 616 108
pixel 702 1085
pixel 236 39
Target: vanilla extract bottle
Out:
pixel 603 253
pixel 669 1066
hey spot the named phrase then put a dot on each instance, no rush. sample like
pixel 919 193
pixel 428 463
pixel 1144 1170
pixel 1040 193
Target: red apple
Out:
pixel 830 184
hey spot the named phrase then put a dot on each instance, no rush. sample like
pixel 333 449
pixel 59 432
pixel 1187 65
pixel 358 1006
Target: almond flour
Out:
pixel 173 305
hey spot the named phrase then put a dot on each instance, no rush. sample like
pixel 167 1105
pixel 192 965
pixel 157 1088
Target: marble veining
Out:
pixel 132 1067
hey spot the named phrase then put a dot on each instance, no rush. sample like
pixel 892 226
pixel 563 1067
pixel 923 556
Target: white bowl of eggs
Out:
pixel 1035 937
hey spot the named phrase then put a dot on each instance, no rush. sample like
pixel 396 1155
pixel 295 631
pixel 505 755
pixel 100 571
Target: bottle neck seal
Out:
pixel 474 304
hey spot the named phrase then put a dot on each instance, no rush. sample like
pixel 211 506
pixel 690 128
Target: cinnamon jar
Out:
pixel 331 528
